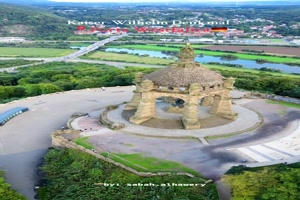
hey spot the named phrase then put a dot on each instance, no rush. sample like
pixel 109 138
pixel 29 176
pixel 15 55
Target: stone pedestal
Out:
pixel 222 105
pixel 135 101
pixel 145 110
pixel 146 107
pixel 190 116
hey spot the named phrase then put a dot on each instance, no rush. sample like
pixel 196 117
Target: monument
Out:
pixel 187 82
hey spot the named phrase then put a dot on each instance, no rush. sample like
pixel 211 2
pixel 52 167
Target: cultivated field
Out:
pixel 127 58
pixel 33 52
pixel 294 51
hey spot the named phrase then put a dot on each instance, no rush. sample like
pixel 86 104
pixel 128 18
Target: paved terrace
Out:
pixel 247 120
pixel 285 149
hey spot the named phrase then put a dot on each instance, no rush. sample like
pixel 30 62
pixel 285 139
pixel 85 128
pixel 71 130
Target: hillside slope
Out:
pixel 32 22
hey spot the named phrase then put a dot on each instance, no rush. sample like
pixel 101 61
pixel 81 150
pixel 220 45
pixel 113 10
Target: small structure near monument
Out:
pixel 187 82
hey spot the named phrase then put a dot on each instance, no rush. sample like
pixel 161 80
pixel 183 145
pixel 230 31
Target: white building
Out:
pixel 12 39
pixel 202 40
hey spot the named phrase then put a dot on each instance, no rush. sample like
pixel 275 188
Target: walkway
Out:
pixel 280 150
pixel 247 119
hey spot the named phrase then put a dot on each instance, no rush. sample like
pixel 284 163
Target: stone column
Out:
pixel 146 107
pixel 207 101
pixel 190 116
pixel 222 104
pixel 135 101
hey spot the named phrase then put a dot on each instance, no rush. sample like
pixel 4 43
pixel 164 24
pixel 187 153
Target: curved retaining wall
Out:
pixel 103 119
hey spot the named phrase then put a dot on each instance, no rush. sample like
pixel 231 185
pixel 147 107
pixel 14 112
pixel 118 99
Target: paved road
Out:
pixel 92 47
pixel 75 55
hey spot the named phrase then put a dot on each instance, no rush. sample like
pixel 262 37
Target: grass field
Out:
pixel 84 142
pixel 275 40
pixel 33 52
pixel 80 44
pixel 213 53
pixel 183 45
pixel 139 162
pixel 149 164
pixel 222 67
pixel 288 104
pixel 127 58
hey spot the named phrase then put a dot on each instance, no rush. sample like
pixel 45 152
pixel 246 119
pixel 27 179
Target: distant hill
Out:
pixel 16 20
pixel 23 1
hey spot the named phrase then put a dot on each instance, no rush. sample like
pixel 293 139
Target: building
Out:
pixel 202 40
pixel 12 39
pixel 186 82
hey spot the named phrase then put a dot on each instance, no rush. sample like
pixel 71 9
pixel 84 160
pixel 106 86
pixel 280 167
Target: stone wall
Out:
pixel 59 141
pixel 103 119
pixel 74 116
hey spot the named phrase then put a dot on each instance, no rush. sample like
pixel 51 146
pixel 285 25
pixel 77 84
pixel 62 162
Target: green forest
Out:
pixel 32 22
pixel 15 62
pixel 57 77
pixel 72 174
pixel 266 83
pixel 60 76
pixel 264 183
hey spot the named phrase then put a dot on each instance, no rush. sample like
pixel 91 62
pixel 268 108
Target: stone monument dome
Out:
pixel 187 81
pixel 185 72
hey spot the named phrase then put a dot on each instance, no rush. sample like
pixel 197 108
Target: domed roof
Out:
pixel 184 72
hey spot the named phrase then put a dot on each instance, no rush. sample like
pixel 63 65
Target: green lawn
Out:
pixel 213 53
pixel 275 40
pixel 288 104
pixel 127 58
pixel 149 164
pixel 33 52
pixel 140 162
pixel 84 142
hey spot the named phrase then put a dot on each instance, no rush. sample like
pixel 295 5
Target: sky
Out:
pixel 144 1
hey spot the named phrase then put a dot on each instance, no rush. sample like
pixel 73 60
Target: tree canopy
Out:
pixel 266 183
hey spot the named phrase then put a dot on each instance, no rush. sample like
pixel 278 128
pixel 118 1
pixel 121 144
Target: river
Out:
pixel 251 64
